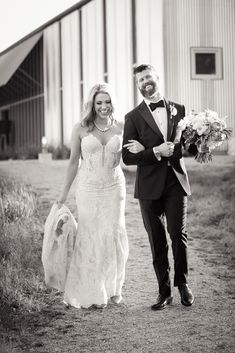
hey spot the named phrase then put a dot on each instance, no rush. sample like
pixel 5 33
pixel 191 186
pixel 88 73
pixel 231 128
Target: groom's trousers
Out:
pixel 168 212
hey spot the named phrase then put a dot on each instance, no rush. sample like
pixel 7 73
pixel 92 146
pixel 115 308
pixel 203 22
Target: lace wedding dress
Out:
pixel 97 267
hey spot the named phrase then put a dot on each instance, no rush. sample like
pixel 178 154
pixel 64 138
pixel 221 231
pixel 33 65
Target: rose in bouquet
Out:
pixel 206 130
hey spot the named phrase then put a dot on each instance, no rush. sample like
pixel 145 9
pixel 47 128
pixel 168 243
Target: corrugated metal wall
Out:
pixel 88 55
pixel 200 23
pixel 23 97
pixel 186 23
pixel 28 122
pixel 52 84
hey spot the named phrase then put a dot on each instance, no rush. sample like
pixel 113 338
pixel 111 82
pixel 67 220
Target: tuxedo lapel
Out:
pixel 170 121
pixel 144 111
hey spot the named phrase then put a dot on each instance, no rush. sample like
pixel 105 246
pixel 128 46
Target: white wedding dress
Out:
pixel 97 268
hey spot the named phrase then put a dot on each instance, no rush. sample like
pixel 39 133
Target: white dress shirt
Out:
pixel 160 118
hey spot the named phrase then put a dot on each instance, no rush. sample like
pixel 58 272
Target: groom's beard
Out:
pixel 150 92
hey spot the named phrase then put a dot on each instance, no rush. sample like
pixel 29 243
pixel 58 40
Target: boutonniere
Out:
pixel 173 110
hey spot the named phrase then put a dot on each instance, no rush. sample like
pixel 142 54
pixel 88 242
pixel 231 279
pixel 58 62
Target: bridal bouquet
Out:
pixel 206 130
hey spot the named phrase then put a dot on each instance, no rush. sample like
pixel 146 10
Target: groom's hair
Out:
pixel 143 67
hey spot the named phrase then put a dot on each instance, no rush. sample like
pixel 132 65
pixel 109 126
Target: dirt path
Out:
pixel 131 327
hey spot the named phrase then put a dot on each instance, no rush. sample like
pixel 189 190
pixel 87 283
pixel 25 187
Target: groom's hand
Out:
pixel 166 149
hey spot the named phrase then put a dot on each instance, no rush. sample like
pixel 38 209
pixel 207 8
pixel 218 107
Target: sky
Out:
pixel 20 17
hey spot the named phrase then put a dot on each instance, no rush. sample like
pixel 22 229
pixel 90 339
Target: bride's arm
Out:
pixel 73 163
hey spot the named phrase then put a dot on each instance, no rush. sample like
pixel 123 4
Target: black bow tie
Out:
pixel 159 104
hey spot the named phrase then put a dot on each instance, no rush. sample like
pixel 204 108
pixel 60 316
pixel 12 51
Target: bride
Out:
pixel 97 270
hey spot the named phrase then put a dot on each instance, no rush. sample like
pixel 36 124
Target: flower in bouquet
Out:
pixel 206 130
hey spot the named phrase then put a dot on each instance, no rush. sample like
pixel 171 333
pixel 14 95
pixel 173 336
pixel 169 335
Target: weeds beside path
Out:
pixel 132 327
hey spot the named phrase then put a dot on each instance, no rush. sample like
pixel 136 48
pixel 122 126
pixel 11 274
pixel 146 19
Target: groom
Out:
pixel 161 181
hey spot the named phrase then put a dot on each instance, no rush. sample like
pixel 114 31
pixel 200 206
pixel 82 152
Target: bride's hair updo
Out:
pixel 89 110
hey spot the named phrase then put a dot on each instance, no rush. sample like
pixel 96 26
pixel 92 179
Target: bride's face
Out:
pixel 103 105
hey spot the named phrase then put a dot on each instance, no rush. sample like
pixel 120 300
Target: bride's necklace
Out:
pixel 107 127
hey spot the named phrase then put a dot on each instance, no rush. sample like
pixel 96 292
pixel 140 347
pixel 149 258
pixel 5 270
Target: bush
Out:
pixel 61 152
pixel 32 151
pixel 27 152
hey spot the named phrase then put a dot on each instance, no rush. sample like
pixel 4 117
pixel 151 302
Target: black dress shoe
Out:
pixel 186 294
pixel 162 302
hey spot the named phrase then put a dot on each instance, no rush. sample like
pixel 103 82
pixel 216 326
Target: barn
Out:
pixel 46 76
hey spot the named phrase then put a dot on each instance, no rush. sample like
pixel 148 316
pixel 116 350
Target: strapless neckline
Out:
pixel 96 138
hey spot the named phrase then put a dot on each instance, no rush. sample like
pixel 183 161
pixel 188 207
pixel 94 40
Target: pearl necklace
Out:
pixel 107 128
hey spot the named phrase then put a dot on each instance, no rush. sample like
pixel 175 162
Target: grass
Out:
pixel 211 207
pixel 21 276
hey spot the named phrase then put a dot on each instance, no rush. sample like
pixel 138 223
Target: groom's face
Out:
pixel 148 83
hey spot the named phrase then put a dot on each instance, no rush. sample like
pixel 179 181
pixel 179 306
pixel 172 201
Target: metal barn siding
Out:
pixel 28 123
pixel 102 40
pixel 23 98
pixel 200 23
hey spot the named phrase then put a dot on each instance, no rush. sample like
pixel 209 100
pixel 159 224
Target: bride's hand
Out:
pixel 134 146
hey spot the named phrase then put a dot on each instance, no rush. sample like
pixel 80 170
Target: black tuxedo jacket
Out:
pixel 151 173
